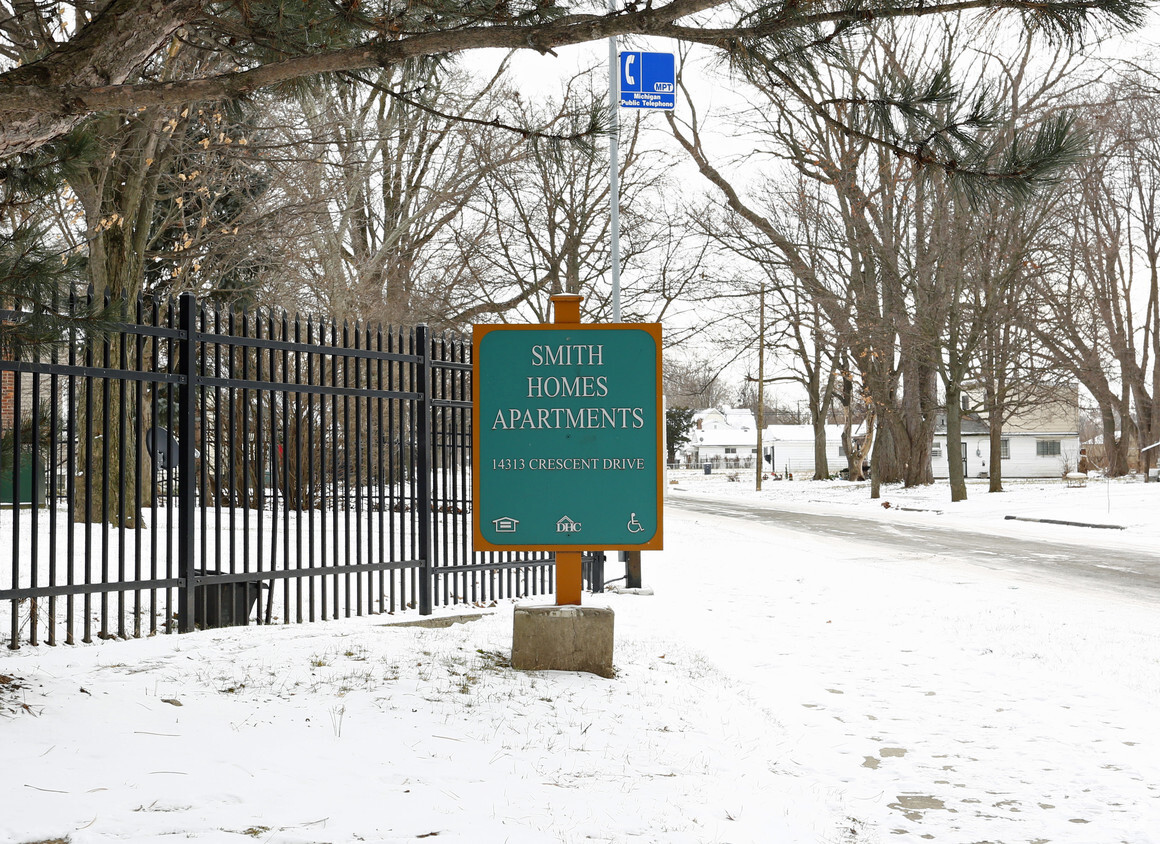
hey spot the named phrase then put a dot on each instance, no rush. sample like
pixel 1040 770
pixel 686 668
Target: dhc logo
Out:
pixel 567 525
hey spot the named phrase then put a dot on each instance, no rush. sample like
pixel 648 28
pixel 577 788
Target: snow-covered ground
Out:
pixel 1126 503
pixel 777 687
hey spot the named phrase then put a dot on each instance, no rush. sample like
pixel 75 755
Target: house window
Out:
pixel 730 450
pixel 841 451
pixel 1005 449
pixel 753 451
pixel 1047 448
pixel 936 449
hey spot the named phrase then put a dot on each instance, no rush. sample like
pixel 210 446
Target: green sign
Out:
pixel 567 432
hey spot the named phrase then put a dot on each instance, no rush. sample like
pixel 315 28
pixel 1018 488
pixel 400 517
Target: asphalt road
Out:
pixel 1133 572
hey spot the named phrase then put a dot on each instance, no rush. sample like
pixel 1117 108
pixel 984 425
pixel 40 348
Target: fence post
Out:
pixel 423 468
pixel 632 579
pixel 187 463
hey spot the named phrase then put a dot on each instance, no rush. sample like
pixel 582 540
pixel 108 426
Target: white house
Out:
pixel 724 436
pixel 722 447
pixel 727 437
pixel 1042 442
pixel 789 449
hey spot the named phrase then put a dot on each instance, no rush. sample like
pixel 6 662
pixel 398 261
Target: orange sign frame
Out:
pixel 656 541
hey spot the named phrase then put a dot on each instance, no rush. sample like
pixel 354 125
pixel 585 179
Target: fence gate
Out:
pixel 201 467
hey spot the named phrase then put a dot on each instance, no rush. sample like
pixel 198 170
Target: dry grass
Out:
pixel 10 697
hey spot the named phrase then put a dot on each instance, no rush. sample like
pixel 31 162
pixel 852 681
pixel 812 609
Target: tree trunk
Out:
pixel 821 461
pixel 854 457
pixel 881 437
pixel 918 420
pixel 115 467
pixel 887 465
pixel 995 430
pixel 863 454
pixel 1115 455
pixel 996 452
pixel 853 464
pixel 890 468
pixel 954 444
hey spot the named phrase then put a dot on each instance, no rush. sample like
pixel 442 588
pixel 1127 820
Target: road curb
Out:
pixel 1062 522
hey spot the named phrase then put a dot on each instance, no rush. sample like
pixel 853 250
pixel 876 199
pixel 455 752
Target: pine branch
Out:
pixel 88 74
pixel 966 149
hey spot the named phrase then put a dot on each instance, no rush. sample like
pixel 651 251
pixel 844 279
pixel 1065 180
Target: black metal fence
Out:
pixel 199 467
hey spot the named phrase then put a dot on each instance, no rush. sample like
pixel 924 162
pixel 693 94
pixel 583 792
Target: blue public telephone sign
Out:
pixel 648 80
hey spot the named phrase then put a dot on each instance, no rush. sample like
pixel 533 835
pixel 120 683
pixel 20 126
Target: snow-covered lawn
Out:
pixel 775 688
pixel 1127 503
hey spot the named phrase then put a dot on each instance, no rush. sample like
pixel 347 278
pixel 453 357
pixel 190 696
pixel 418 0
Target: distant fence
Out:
pixel 198 467
pixel 716 461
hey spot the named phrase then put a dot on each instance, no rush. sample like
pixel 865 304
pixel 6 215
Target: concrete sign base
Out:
pixel 568 638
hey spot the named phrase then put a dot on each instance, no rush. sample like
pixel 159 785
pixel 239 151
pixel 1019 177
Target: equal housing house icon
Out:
pixel 505 524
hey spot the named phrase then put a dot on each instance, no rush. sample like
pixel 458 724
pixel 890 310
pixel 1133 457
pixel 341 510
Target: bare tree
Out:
pixel 865 298
pixel 989 253
pixel 797 331
pixel 163 203
pixel 548 220
pixel 694 382
pixel 1091 319
pixel 908 252
pixel 381 180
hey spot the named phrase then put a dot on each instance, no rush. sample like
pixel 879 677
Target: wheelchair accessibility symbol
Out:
pixel 634 526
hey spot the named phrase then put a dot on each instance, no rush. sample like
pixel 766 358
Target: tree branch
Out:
pixel 88 74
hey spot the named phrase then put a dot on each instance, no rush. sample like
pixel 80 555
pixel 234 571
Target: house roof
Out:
pixel 724 437
pixel 805 433
pixel 972 425
pixel 717 437
pixel 731 417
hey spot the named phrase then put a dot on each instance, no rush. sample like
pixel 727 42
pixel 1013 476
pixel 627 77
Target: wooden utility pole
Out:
pixel 760 385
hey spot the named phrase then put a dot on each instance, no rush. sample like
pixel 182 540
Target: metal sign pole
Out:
pixel 614 164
